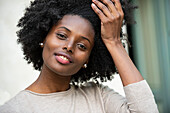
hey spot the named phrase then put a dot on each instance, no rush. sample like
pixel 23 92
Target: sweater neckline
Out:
pixel 51 94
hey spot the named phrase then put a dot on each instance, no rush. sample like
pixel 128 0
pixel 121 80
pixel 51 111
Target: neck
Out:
pixel 50 82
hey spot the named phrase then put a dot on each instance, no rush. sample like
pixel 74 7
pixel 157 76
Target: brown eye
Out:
pixel 61 36
pixel 82 47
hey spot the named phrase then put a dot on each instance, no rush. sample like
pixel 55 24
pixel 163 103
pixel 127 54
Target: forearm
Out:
pixel 126 68
pixel 111 16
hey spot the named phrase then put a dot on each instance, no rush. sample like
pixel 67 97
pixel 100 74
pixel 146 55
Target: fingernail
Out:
pixel 93 4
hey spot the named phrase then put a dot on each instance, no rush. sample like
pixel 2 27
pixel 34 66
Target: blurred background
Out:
pixel 150 50
pixel 150 39
pixel 15 74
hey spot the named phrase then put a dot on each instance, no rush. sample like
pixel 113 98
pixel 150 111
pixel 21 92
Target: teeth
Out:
pixel 64 58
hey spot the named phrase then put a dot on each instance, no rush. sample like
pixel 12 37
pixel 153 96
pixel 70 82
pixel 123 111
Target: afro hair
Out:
pixel 39 18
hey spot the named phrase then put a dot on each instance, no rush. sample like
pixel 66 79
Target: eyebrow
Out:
pixel 65 28
pixel 70 31
pixel 86 39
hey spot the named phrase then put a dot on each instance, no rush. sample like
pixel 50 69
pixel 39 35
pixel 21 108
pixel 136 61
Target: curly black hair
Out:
pixel 39 18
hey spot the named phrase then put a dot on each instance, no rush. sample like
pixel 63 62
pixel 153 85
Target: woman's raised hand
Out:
pixel 111 14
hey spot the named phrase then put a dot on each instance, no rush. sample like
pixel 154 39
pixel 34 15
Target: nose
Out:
pixel 69 47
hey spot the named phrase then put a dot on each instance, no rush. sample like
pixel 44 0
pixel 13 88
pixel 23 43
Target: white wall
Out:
pixel 15 73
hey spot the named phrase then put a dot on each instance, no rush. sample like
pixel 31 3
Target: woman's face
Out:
pixel 68 45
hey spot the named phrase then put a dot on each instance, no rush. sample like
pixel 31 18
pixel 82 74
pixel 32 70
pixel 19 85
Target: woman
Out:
pixel 71 42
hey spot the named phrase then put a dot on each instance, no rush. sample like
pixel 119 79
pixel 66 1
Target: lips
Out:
pixel 63 58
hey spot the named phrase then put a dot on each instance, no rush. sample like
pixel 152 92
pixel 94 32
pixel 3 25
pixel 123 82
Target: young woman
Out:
pixel 72 42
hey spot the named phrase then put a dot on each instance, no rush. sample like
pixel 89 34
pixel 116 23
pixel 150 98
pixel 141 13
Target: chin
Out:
pixel 62 70
pixel 65 72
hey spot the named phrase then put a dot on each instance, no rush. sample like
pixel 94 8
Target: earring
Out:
pixel 85 66
pixel 41 44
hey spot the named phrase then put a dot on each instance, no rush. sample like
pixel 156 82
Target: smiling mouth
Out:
pixel 63 59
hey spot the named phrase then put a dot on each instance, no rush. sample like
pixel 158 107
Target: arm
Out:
pixel 111 21
pixel 127 70
pixel 136 101
pixel 139 98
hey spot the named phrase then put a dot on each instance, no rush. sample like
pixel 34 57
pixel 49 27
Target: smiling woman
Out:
pixel 70 43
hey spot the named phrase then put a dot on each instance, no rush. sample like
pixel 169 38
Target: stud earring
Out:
pixel 85 66
pixel 41 44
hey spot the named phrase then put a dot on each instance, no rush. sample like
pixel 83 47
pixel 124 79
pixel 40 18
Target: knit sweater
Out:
pixel 88 98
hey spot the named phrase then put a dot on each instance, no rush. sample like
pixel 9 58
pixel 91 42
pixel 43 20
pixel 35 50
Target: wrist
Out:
pixel 113 42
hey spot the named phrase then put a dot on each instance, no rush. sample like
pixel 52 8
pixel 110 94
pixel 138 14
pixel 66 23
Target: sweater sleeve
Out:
pixel 139 99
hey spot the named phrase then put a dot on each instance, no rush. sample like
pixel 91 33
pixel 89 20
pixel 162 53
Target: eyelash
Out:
pixel 61 36
pixel 82 46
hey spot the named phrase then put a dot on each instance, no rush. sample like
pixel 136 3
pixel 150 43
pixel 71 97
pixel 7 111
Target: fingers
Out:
pixel 117 5
pixel 98 12
pixel 108 8
pixel 110 5
pixel 119 8
pixel 107 11
pixel 103 8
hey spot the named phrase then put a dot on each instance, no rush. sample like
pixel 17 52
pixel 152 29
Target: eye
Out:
pixel 61 36
pixel 82 46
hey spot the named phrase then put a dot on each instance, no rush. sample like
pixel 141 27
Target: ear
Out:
pixel 85 64
pixel 42 44
pixel 87 61
pixel 44 41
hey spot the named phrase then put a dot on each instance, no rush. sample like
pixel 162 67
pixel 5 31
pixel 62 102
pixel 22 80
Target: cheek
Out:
pixel 82 57
pixel 46 55
pixel 48 51
pixel 50 45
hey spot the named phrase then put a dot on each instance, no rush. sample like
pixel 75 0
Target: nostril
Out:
pixel 67 49
pixel 70 51
pixel 64 48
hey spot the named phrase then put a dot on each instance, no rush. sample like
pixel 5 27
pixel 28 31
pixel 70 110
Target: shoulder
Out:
pixel 7 108
pixel 14 104
pixel 88 86
pixel 92 87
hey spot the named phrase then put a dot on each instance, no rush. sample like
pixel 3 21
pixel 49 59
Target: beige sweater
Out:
pixel 90 98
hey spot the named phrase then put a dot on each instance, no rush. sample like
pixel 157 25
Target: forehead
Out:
pixel 77 25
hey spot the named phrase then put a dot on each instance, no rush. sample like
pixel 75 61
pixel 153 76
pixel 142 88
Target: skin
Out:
pixel 74 36
pixel 55 77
